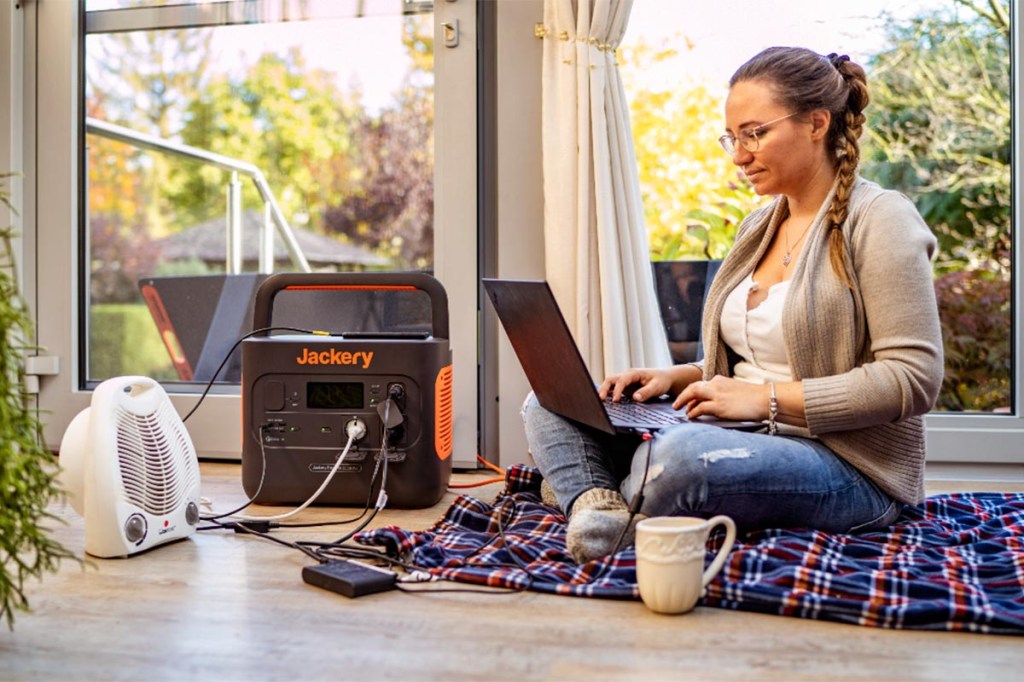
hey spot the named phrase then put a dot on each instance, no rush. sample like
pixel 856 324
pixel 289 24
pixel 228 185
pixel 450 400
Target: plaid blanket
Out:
pixel 956 562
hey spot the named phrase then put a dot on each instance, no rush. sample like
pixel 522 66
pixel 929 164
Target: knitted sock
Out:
pixel 597 520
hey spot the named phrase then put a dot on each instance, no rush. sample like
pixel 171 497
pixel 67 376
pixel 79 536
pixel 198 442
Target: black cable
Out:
pixel 366 508
pixel 227 356
pixel 263 473
pixel 384 454
pixel 634 508
pixel 241 528
pixel 263 452
pixel 381 466
pixel 358 552
pixel 376 508
pixel 347 537
pixel 520 564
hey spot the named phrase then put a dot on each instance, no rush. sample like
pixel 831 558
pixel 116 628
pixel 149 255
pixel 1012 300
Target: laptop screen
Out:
pixel 547 351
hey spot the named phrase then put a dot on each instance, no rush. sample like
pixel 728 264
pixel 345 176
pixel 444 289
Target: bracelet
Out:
pixel 773 410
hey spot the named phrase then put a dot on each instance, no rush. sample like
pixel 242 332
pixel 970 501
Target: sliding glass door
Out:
pixel 193 148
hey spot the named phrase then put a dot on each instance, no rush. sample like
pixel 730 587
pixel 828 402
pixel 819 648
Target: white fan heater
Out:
pixel 129 468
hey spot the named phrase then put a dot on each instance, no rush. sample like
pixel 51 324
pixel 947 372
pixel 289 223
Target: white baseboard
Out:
pixel 972 471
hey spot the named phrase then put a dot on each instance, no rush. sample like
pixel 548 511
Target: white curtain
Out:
pixel 596 254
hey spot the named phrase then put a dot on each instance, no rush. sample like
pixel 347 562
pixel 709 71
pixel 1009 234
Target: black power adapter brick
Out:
pixel 350 578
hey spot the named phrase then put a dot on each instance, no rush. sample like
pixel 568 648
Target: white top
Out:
pixel 756 335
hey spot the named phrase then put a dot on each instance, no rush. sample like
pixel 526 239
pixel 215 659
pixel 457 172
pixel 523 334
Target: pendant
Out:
pixel 785 260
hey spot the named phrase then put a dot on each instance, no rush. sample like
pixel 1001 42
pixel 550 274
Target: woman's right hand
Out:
pixel 638 384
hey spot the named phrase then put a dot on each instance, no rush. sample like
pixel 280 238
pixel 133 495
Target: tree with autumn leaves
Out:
pixel 941 132
pixel 334 165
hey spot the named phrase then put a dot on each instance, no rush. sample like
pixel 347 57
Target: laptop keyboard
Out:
pixel 638 413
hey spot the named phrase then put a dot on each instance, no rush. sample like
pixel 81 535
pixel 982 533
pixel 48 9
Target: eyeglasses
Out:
pixel 748 138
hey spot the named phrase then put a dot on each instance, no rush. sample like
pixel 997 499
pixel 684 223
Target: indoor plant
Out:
pixel 28 471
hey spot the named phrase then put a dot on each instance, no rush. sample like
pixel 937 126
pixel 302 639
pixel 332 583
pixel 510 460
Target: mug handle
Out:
pixel 723 551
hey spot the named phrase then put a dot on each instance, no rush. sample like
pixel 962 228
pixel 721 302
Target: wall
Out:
pixel 519 207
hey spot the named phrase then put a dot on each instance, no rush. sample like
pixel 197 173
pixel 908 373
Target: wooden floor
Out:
pixel 220 606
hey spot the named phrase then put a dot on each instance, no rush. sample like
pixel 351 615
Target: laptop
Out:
pixel 199 319
pixel 556 371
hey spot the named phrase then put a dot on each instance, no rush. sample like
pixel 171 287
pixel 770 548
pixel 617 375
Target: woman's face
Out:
pixel 789 151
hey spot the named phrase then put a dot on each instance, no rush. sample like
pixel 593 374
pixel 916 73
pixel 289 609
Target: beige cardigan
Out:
pixel 870 358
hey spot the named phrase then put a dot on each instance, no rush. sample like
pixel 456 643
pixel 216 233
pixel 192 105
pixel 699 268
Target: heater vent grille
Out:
pixel 154 452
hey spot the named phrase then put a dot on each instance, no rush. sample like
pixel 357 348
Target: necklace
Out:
pixel 787 257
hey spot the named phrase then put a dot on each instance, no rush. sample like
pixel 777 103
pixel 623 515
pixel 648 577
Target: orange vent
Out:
pixel 443 412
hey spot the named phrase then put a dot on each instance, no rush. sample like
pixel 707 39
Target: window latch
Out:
pixel 450 30
pixel 39 366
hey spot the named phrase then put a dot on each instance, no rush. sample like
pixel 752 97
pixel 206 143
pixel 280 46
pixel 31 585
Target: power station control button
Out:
pixel 273 395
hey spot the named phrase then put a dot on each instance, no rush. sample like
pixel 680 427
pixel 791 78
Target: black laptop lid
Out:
pixel 199 318
pixel 547 351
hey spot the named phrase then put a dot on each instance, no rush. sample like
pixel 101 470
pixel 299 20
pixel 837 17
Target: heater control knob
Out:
pixel 191 513
pixel 135 528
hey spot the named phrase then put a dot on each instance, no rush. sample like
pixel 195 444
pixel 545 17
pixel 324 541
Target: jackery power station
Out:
pixel 386 356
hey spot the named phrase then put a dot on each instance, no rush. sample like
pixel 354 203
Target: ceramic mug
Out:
pixel 670 560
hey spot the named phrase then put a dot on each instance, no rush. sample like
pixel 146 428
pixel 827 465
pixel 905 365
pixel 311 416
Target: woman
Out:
pixel 821 322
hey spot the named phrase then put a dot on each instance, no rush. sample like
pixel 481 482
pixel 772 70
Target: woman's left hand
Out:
pixel 724 398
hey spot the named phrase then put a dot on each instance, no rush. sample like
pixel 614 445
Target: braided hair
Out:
pixel 806 81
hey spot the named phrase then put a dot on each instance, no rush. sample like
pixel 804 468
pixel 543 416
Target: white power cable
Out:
pixel 313 497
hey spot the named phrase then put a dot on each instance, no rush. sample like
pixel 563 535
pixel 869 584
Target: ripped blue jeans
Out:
pixel 760 481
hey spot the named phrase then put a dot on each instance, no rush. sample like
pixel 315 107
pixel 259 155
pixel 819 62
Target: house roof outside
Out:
pixel 207 242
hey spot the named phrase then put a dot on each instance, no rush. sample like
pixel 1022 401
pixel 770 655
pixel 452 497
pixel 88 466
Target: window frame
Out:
pixel 994 439
pixel 57 142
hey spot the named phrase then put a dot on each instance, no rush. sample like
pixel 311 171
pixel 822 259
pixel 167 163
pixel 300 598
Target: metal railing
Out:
pixel 272 215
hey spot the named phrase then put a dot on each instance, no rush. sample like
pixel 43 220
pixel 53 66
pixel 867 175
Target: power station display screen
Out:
pixel 334 395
